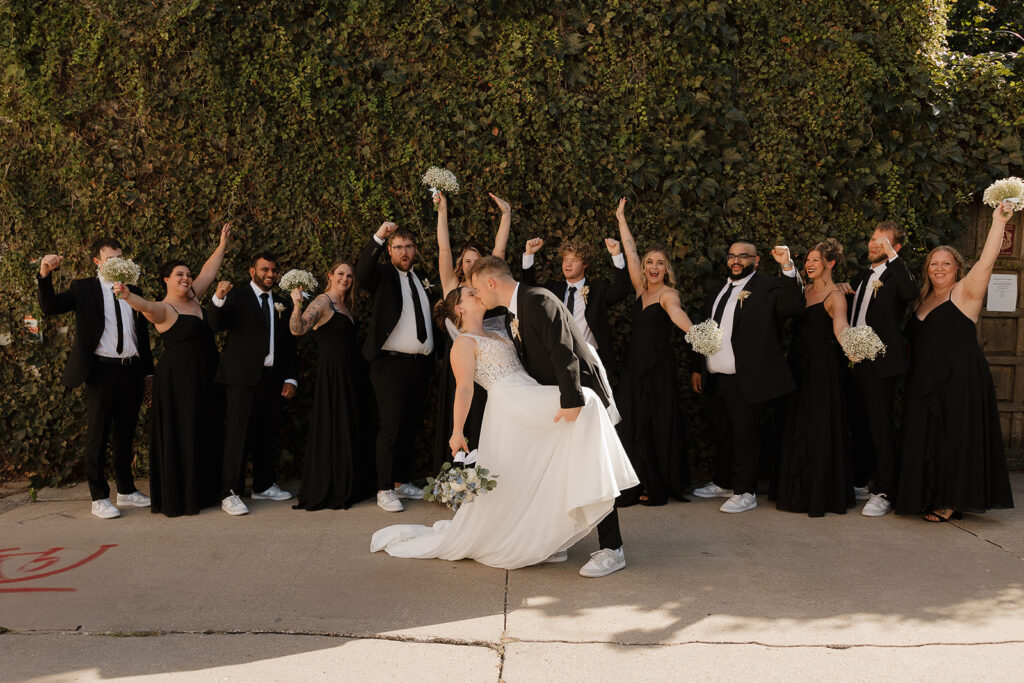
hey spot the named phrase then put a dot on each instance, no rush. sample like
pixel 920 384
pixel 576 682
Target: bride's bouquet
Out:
pixel 861 343
pixel 705 337
pixel 440 180
pixel 123 270
pixel 1008 189
pixel 456 486
pixel 298 278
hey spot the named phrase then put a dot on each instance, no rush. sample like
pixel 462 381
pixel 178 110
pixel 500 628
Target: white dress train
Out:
pixel 556 480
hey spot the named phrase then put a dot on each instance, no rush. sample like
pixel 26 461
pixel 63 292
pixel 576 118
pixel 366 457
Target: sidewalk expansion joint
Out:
pixel 504 629
pixel 989 541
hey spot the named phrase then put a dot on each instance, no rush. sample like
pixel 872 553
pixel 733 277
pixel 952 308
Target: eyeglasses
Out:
pixel 740 257
pixel 403 247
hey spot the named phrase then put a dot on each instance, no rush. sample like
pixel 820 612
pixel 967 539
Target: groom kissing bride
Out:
pixel 546 432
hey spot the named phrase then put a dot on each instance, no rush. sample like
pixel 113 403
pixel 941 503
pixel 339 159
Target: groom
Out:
pixel 553 352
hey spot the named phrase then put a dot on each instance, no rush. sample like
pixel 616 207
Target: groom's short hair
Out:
pixel 491 266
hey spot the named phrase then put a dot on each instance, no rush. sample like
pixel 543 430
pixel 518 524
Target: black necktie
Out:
pixel 571 301
pixel 861 293
pixel 120 324
pixel 720 308
pixel 265 307
pixel 417 307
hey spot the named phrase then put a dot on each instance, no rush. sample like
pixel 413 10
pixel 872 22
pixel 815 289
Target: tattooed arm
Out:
pixel 318 311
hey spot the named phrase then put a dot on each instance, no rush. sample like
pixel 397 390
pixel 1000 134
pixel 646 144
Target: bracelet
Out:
pixel 788 265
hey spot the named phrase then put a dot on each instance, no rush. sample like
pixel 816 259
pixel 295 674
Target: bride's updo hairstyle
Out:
pixel 829 249
pixel 445 309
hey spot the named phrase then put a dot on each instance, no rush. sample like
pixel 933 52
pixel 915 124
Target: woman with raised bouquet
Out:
pixel 814 465
pixel 953 458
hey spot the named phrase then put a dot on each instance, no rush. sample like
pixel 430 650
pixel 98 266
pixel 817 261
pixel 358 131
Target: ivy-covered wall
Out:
pixel 306 123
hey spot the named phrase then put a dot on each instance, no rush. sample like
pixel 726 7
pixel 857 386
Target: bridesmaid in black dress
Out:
pixel 814 465
pixel 648 396
pixel 953 458
pixel 336 473
pixel 187 410
pixel 452 274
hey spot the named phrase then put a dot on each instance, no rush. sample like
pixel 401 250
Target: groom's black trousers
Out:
pixel 608 535
pixel 400 382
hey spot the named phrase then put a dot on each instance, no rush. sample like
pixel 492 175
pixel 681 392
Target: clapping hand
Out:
pixel 781 256
pixel 502 204
pixel 223 287
pixel 534 245
pixel 614 248
pixel 49 263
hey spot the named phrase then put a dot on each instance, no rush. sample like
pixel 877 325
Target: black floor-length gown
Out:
pixel 814 464
pixel 952 444
pixel 648 399
pixel 339 450
pixel 185 438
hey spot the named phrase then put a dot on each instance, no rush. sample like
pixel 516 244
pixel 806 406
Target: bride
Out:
pixel 556 480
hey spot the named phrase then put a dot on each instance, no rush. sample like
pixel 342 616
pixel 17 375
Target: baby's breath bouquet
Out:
pixel 705 337
pixel 861 343
pixel 1011 189
pixel 456 486
pixel 298 278
pixel 123 270
pixel 440 180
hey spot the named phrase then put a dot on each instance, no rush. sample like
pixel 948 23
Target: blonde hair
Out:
pixel 926 283
pixel 670 274
pixel 349 298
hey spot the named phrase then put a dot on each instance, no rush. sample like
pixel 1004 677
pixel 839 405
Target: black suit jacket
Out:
pixel 886 314
pixel 241 361
pixel 552 348
pixel 761 367
pixel 600 296
pixel 85 298
pixel 378 277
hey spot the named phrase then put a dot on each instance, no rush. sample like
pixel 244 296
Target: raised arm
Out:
pixel 619 288
pixel 529 277
pixel 367 273
pixel 316 313
pixel 463 363
pixel 975 283
pixel 50 302
pixel 636 274
pixel 504 227
pixel 208 274
pixel 669 300
pixel 445 259
pixel 155 312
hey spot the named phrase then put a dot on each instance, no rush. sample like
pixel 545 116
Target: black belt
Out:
pixel 398 354
pixel 131 360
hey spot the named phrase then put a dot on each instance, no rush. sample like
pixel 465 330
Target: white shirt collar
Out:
pixel 257 290
pixel 740 283
pixel 579 284
pixel 513 304
pixel 877 270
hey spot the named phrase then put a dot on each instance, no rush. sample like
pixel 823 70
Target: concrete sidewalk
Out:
pixel 293 595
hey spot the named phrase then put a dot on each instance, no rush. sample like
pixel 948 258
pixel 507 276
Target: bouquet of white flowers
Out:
pixel 705 337
pixel 123 270
pixel 298 278
pixel 440 179
pixel 1011 189
pixel 456 486
pixel 861 343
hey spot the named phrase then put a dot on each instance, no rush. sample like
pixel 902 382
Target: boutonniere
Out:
pixel 515 328
pixel 585 291
pixel 426 284
pixel 279 307
pixel 742 295
pixel 875 286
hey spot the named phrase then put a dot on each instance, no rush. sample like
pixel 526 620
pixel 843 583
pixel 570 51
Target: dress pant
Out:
pixel 736 427
pixel 400 382
pixel 113 396
pixel 875 456
pixel 608 535
pixel 251 423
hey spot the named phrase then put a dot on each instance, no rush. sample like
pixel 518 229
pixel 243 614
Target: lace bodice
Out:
pixel 495 360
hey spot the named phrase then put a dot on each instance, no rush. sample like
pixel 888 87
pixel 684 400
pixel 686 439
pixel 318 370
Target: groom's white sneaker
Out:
pixel 388 501
pixel 407 490
pixel 233 505
pixel 273 493
pixel 604 562
pixel 133 500
pixel 712 490
pixel 741 502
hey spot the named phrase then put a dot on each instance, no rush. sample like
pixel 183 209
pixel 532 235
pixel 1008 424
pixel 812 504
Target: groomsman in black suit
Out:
pixel 259 367
pixel 878 296
pixel 554 353
pixel 400 349
pixel 587 299
pixel 111 356
pixel 750 369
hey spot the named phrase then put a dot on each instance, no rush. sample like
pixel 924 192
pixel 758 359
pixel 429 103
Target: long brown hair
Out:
pixel 445 309
pixel 349 298
pixel 480 249
pixel 926 282
pixel 670 274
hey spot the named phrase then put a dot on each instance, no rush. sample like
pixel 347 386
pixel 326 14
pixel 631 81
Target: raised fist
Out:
pixel 223 287
pixel 534 245
pixel 49 263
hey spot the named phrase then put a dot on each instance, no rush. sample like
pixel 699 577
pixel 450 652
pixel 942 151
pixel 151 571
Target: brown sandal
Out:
pixel 935 518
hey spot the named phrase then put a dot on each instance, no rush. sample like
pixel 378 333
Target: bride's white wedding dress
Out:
pixel 556 481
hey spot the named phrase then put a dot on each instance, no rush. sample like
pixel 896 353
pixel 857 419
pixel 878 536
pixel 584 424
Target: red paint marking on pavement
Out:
pixel 38 567
pixel 29 589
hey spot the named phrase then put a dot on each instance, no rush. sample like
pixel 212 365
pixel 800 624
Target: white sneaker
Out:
pixel 604 562
pixel 273 493
pixel 878 504
pixel 104 509
pixel 560 556
pixel 388 501
pixel 861 492
pixel 407 490
pixel 233 505
pixel 133 500
pixel 712 490
pixel 741 502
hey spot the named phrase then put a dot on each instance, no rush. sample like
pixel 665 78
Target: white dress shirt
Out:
pixel 268 360
pixel 724 362
pixel 403 337
pixel 513 303
pixel 108 340
pixel 866 291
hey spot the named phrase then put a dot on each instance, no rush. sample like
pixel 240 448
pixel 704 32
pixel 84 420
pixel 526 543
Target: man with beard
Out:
pixel 878 296
pixel 750 369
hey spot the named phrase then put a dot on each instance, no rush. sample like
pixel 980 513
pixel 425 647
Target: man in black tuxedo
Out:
pixel 554 353
pixel 878 296
pixel 750 369
pixel 259 367
pixel 400 349
pixel 586 299
pixel 111 356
